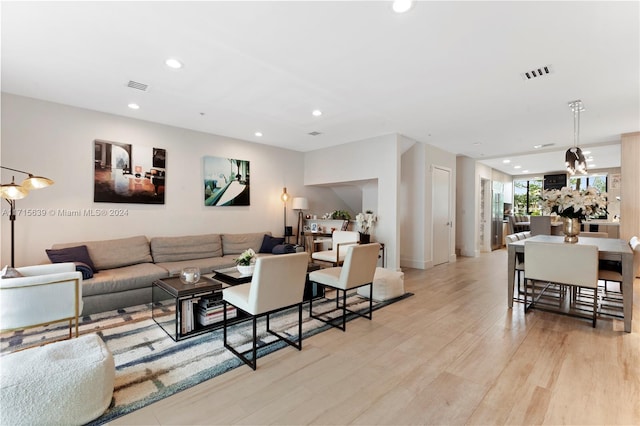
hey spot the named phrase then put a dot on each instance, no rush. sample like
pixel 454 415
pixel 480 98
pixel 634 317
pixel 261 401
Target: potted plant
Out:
pixel 365 222
pixel 341 214
pixel 246 262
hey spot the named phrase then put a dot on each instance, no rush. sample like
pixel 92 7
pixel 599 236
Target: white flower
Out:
pixel 246 257
pixel 365 221
pixel 567 202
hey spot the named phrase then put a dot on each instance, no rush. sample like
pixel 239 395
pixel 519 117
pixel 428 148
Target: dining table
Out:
pixel 608 249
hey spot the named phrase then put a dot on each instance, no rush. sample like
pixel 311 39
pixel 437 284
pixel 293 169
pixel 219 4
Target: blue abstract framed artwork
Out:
pixel 226 181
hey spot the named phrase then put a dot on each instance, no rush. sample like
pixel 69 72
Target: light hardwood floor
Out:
pixel 452 354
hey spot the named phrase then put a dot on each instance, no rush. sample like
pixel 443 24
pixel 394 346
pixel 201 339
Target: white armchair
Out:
pixel 42 295
pixel 340 242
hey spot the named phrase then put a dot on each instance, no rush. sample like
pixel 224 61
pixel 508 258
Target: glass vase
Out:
pixel 190 275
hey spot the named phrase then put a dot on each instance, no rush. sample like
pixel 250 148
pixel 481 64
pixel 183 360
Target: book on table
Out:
pixel 211 314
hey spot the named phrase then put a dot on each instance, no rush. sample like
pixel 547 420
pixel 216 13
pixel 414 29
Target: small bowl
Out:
pixel 190 275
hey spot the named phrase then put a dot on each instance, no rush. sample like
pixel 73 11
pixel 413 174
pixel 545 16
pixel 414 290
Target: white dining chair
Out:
pixel 340 241
pixel 357 271
pixel 278 283
pixel 612 270
pixel 574 265
pixel 519 262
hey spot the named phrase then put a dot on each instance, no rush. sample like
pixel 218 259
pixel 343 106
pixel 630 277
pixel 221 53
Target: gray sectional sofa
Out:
pixel 127 267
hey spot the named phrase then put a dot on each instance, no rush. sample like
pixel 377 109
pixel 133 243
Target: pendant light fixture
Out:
pixel 574 159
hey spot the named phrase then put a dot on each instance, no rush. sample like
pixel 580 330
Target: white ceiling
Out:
pixel 445 73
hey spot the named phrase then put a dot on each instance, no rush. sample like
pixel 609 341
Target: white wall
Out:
pixel 416 203
pixel 56 141
pixel 468 190
pixel 370 159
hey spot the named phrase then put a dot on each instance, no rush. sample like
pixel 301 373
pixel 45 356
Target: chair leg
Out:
pixel 250 362
pixel 595 305
pixel 342 325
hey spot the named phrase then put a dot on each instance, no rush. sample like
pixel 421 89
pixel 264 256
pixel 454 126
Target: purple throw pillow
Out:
pixel 71 254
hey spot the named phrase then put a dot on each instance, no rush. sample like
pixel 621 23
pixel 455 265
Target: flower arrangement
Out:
pixel 365 221
pixel 246 258
pixel 575 204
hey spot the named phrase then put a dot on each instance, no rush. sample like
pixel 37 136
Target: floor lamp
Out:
pixel 12 192
pixel 285 197
pixel 300 204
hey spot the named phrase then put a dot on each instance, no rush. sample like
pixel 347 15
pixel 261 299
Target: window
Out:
pixel 527 195
pixel 599 182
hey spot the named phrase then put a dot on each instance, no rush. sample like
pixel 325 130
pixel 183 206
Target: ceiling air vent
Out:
pixel 136 85
pixel 315 133
pixel 538 72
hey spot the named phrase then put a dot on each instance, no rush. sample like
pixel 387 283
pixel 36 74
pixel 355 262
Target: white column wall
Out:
pixel 370 159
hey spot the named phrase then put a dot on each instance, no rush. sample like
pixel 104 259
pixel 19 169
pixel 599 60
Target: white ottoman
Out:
pixel 68 382
pixel 387 284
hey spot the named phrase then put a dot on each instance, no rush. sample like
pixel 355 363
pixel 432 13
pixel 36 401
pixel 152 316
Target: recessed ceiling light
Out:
pixel 506 161
pixel 517 167
pixel 134 106
pixel 316 113
pixel 525 171
pixel 258 134
pixel 402 6
pixel 173 63
pixel 537 146
pixel 586 152
pixel 590 159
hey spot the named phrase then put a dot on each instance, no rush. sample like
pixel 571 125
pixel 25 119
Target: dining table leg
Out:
pixel 627 289
pixel 511 271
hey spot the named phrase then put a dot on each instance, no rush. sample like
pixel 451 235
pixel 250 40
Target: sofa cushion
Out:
pixel 237 243
pixel 269 242
pixel 206 265
pixel 122 279
pixel 108 254
pixel 174 249
pixel 71 254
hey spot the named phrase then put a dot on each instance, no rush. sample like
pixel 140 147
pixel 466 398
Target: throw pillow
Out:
pixel 284 249
pixel 9 272
pixel 71 254
pixel 86 270
pixel 269 242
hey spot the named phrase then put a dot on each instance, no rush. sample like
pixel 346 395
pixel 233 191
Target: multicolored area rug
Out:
pixel 151 366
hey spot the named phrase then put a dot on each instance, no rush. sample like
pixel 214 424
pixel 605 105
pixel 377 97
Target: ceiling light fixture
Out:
pixel 574 158
pixel 258 134
pixel 506 161
pixel 134 106
pixel 316 113
pixel 402 6
pixel 173 63
pixel 517 167
pixel 537 146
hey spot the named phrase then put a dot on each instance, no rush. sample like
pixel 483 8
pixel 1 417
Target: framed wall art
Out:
pixel 124 173
pixel 226 182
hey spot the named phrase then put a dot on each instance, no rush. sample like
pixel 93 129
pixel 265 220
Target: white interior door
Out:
pixel 442 223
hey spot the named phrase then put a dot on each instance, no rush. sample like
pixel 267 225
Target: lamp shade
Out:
pixel 285 196
pixel 299 203
pixel 13 191
pixel 36 182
